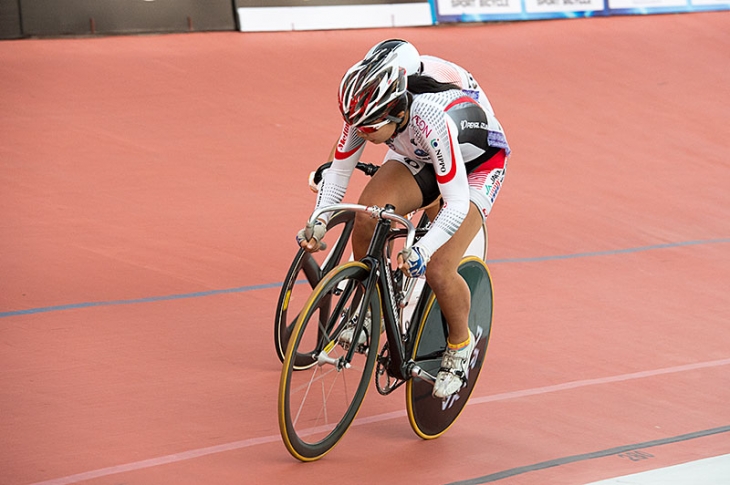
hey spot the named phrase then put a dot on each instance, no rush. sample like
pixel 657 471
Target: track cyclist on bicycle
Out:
pixel 442 142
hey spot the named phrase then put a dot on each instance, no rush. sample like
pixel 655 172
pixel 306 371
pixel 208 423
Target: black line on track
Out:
pixel 493 477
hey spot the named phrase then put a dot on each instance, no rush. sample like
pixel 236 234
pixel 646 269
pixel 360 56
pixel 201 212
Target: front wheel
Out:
pixel 318 402
pixel 304 273
pixel 431 417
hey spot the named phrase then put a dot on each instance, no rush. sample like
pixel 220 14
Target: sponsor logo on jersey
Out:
pixel 420 152
pixel 473 125
pixel 493 190
pixel 437 151
pixel 445 174
pixel 472 93
pixel 343 138
pixel 442 163
pixel 347 142
pixel 422 125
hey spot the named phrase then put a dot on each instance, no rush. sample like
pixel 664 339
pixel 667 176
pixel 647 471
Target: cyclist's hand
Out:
pixel 314 186
pixel 413 262
pixel 311 238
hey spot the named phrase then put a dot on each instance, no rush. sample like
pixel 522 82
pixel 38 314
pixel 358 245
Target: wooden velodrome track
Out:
pixel 152 186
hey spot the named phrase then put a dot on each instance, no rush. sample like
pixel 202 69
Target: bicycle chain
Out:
pixel 391 383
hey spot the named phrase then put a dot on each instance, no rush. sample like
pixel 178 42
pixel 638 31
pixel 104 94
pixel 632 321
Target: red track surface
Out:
pixel 154 166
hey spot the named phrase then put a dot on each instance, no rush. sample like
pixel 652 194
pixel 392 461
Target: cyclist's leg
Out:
pixel 484 184
pixel 447 284
pixel 392 184
pixel 450 289
pixel 433 209
pixel 432 417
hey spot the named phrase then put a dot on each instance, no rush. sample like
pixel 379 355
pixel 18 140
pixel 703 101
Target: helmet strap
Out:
pixel 398 120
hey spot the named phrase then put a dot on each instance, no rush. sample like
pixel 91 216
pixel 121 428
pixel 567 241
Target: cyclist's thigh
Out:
pixel 448 256
pixel 422 173
pixel 486 181
pixel 392 184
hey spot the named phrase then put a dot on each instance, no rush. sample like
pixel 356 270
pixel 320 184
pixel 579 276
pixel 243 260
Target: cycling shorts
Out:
pixel 485 177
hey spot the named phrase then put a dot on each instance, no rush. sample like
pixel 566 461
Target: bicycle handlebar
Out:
pixel 374 211
pixel 368 169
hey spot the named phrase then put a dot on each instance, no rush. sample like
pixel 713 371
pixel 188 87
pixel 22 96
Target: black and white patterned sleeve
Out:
pixel 336 178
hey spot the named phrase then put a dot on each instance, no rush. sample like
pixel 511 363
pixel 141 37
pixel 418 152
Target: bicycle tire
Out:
pixel 304 273
pixel 430 417
pixel 312 427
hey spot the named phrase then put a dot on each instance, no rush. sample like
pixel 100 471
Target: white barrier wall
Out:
pixel 253 18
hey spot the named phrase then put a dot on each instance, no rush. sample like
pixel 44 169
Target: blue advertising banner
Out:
pixel 507 10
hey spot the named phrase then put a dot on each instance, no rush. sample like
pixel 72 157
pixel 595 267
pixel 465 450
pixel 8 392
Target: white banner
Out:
pixel 320 17
pixel 479 7
pixel 629 4
pixel 535 6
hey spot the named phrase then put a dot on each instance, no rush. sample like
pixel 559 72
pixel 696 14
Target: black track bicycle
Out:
pixel 323 381
pixel 307 269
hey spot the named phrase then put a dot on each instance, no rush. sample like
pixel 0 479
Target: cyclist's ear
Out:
pixel 404 117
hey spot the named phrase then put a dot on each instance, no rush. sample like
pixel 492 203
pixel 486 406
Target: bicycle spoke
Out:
pixel 321 400
pixel 311 270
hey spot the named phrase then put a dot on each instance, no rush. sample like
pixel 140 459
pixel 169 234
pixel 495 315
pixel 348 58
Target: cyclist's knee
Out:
pixel 440 272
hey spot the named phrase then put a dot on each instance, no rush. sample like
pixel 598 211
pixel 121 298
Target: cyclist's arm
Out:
pixel 345 155
pixel 452 181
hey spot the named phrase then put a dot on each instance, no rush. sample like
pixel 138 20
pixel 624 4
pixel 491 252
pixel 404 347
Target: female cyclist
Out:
pixel 442 142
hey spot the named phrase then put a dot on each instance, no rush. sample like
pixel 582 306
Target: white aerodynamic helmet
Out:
pixel 408 56
pixel 372 88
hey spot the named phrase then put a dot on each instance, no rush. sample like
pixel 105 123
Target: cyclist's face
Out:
pixel 379 134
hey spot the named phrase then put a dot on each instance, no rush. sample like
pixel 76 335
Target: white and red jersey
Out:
pixel 449 130
pixel 448 72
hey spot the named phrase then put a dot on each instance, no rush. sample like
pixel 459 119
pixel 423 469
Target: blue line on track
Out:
pixel 244 289
pixel 150 299
pixel 610 252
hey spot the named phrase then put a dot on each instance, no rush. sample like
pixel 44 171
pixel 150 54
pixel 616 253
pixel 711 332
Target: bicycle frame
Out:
pixel 400 365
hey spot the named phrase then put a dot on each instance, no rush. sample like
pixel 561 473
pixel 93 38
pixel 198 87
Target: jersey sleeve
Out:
pixel 336 178
pixel 443 147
